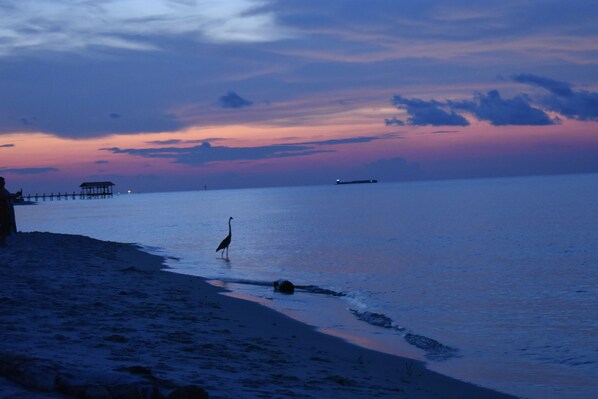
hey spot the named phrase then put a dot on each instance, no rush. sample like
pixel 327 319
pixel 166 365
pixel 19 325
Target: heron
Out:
pixel 226 242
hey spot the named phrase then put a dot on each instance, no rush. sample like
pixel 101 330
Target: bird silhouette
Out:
pixel 226 242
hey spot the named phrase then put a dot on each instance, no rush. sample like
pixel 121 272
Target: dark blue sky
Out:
pixel 157 91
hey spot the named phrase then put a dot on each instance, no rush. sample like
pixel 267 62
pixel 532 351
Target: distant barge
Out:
pixel 338 181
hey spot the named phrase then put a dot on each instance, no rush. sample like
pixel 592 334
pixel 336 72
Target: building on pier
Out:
pixel 97 189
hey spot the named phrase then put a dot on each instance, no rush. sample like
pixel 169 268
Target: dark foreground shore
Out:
pixel 92 319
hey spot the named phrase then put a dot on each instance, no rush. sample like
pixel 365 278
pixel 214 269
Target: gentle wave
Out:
pixel 314 289
pixel 433 349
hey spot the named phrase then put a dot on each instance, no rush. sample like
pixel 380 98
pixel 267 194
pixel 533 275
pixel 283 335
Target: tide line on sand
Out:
pixel 81 317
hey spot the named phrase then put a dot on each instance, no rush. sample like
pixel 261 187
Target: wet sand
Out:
pixel 82 317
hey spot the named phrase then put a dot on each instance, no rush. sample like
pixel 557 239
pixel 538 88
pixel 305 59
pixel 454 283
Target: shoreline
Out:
pixel 81 314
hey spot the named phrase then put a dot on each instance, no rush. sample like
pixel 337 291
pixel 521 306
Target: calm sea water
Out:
pixel 491 281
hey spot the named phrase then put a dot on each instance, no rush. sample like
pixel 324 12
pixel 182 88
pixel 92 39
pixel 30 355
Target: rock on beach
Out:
pixel 284 286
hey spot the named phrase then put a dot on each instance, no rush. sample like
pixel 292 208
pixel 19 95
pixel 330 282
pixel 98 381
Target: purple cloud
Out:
pixel 422 113
pixel 491 107
pixel 556 87
pixel 233 100
pixel 165 142
pixel 394 121
pixel 206 153
pixel 499 111
pixel 581 104
pixel 350 140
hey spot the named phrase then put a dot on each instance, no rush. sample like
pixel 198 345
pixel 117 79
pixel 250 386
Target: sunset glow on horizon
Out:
pixel 263 93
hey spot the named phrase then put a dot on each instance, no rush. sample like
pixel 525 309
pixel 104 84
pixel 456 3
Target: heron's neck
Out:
pixel 229 227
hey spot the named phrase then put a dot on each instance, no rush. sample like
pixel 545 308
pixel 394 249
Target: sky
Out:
pixel 168 95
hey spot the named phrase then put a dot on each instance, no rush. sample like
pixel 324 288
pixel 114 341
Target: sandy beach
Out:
pixel 93 319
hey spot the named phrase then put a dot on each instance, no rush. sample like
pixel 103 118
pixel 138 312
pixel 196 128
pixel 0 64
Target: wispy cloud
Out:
pixel 61 25
pixel 206 153
pixel 165 142
pixel 478 33
pixel 575 104
pixel 6 145
pixel 350 140
pixel 393 121
pixel 28 171
pixel 444 131
pixel 180 141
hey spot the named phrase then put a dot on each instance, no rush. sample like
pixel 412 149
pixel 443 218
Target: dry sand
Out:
pixel 96 319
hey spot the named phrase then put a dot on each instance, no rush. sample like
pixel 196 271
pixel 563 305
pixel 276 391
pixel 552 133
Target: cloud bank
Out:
pixel 206 153
pixel 422 113
pixel 89 68
pixel 491 107
pixel 580 104
pixel 498 111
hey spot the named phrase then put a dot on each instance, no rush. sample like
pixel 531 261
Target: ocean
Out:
pixel 491 281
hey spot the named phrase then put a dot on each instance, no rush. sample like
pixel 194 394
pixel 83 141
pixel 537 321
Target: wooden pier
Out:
pixel 89 190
